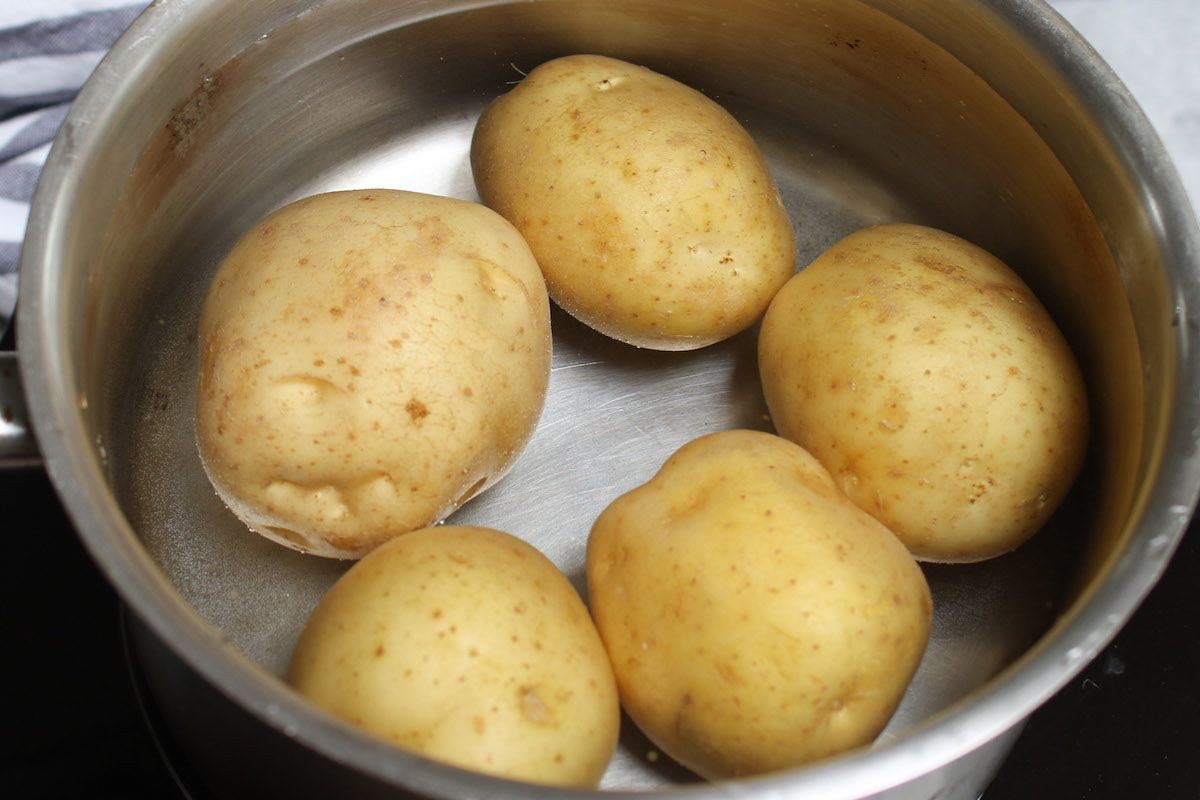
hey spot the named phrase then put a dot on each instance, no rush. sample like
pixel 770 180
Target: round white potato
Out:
pixel 755 618
pixel 649 208
pixel 369 361
pixel 468 646
pixel 932 384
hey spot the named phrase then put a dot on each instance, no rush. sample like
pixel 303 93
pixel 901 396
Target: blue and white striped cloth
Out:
pixel 48 48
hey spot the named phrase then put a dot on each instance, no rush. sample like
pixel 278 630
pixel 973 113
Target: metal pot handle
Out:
pixel 18 448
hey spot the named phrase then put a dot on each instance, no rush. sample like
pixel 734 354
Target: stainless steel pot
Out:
pixel 990 119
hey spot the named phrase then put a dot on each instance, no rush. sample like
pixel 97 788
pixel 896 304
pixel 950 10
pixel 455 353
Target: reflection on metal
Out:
pixel 17 445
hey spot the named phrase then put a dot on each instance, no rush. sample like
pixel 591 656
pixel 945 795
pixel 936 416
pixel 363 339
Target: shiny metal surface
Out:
pixel 18 447
pixel 989 119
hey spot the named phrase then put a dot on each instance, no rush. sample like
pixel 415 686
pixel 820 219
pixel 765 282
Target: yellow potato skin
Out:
pixel 649 208
pixel 369 361
pixel 468 646
pixel 755 618
pixel 932 384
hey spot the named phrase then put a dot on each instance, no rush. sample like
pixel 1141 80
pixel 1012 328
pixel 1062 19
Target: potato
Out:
pixel 755 618
pixel 465 645
pixel 369 361
pixel 649 208
pixel 933 386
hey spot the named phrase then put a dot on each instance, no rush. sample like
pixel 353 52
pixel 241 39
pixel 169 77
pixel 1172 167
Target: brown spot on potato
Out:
pixel 417 410
pixel 936 265
pixel 729 673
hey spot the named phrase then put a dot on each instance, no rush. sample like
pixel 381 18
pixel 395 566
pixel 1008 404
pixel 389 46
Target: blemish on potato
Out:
pixel 532 706
pixel 417 410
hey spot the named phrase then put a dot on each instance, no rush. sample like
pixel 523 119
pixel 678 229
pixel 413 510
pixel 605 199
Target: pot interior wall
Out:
pixel 862 121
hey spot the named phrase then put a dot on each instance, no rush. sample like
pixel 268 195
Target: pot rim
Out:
pixel 1158 519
